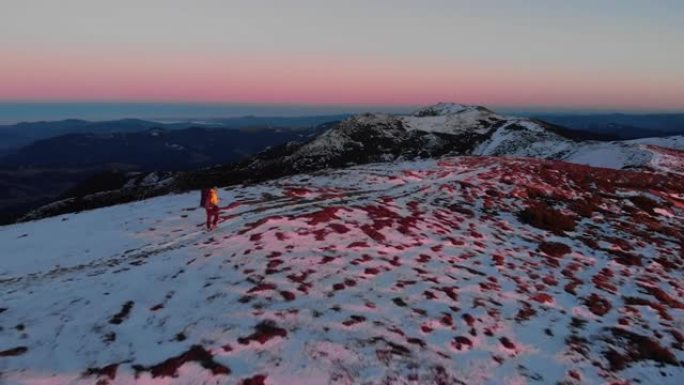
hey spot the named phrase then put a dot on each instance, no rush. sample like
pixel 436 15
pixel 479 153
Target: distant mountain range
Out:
pixel 22 134
pixel 622 126
pixel 152 149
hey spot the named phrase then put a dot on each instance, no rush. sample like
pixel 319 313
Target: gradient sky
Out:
pixel 601 54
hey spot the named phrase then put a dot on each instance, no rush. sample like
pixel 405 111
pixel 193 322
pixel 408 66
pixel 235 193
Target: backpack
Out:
pixel 205 195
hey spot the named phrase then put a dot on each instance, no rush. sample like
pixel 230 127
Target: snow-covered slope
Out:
pixel 466 270
pixel 513 136
pixel 449 118
pixel 642 153
pixel 662 154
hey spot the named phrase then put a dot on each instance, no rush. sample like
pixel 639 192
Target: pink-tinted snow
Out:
pixel 458 271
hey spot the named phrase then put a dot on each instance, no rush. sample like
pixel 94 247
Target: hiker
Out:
pixel 210 201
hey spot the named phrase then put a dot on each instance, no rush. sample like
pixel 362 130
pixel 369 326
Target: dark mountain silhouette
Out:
pixel 622 126
pixel 22 134
pixel 77 164
pixel 153 149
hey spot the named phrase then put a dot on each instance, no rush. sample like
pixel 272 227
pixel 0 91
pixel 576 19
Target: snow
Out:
pixel 405 273
pixel 329 141
pixel 443 108
pixel 610 155
pixel 642 153
pixel 448 118
pixel 533 142
pixel 447 124
pixel 676 142
pixel 335 141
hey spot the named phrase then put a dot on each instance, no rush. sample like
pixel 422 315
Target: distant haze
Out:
pixel 15 112
pixel 581 54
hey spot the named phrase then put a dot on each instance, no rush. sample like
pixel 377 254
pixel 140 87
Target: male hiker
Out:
pixel 210 201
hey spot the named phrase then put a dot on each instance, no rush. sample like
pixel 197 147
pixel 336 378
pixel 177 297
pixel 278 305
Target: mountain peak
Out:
pixel 444 108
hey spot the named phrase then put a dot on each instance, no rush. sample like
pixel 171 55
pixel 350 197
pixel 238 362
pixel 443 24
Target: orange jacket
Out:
pixel 213 198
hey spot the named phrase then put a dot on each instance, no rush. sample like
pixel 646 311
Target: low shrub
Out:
pixel 544 217
pixel 554 249
pixel 644 203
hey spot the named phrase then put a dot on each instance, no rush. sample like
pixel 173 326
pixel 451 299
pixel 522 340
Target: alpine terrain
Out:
pixel 384 253
pixel 431 132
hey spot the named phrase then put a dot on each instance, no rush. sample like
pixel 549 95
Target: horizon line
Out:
pixel 341 105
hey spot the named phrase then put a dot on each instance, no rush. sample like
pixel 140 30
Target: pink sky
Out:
pixel 318 79
pixel 518 53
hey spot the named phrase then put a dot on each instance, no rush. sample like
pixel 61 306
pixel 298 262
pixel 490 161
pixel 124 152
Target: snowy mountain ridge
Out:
pixel 529 137
pixel 451 118
pixel 456 129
